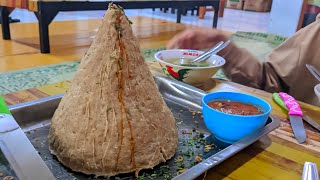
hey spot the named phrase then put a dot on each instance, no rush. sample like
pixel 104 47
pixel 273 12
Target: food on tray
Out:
pixel 113 119
pixel 238 108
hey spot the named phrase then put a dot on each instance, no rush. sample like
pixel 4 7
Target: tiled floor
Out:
pixel 233 20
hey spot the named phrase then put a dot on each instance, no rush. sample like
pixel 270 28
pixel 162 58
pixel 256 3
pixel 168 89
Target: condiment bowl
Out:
pixel 230 128
pixel 195 76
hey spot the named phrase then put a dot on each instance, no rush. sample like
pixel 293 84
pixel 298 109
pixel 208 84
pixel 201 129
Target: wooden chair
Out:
pixel 203 9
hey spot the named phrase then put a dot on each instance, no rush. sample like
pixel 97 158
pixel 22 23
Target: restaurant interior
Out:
pixel 159 89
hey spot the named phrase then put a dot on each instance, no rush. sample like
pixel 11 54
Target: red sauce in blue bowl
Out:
pixel 237 108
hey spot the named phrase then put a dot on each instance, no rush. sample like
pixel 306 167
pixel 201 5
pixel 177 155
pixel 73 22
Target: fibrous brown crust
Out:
pixel 113 119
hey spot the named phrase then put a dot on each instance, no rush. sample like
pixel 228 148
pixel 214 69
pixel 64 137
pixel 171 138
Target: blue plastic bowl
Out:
pixel 230 128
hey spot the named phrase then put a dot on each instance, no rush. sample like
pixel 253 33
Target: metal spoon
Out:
pixel 214 50
pixel 184 61
pixel 314 71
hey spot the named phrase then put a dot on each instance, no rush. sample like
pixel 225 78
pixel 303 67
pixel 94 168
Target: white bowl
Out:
pixel 317 90
pixel 195 76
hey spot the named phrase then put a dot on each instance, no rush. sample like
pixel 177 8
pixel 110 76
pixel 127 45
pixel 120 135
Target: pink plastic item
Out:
pixel 292 104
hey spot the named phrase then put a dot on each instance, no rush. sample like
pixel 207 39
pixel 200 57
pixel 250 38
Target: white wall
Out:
pixel 284 17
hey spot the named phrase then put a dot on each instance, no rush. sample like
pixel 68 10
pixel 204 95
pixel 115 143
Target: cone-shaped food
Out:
pixel 113 119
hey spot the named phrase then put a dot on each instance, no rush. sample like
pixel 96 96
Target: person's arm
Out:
pixel 283 69
pixel 242 67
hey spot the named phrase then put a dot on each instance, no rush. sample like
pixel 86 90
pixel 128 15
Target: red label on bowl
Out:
pixel 191 54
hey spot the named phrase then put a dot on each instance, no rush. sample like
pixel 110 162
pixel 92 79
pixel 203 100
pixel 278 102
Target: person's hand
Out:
pixel 197 39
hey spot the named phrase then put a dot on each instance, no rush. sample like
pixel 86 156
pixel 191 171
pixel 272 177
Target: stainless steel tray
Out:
pixel 184 101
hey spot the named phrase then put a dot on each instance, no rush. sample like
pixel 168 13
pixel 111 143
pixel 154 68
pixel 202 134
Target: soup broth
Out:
pixel 232 107
pixel 188 63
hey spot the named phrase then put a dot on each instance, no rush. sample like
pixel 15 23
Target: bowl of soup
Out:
pixel 231 116
pixel 195 74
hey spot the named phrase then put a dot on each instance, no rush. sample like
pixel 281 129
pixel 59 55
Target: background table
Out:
pixel 46 10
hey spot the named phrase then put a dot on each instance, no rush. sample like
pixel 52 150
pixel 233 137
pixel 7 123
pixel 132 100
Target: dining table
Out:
pixel 277 155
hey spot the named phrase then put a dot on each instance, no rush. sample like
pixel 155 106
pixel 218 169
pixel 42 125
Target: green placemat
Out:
pixel 35 77
pixel 259 44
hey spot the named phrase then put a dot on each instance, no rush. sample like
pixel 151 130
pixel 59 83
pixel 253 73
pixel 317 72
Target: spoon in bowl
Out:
pixel 214 50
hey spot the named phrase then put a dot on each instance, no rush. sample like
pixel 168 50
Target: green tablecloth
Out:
pixel 259 44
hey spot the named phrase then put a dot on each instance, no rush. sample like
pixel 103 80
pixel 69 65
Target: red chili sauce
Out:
pixel 238 108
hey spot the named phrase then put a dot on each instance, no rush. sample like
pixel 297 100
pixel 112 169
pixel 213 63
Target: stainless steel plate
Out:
pixel 185 103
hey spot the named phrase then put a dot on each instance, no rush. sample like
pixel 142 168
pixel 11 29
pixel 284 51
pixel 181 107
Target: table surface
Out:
pixel 275 156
